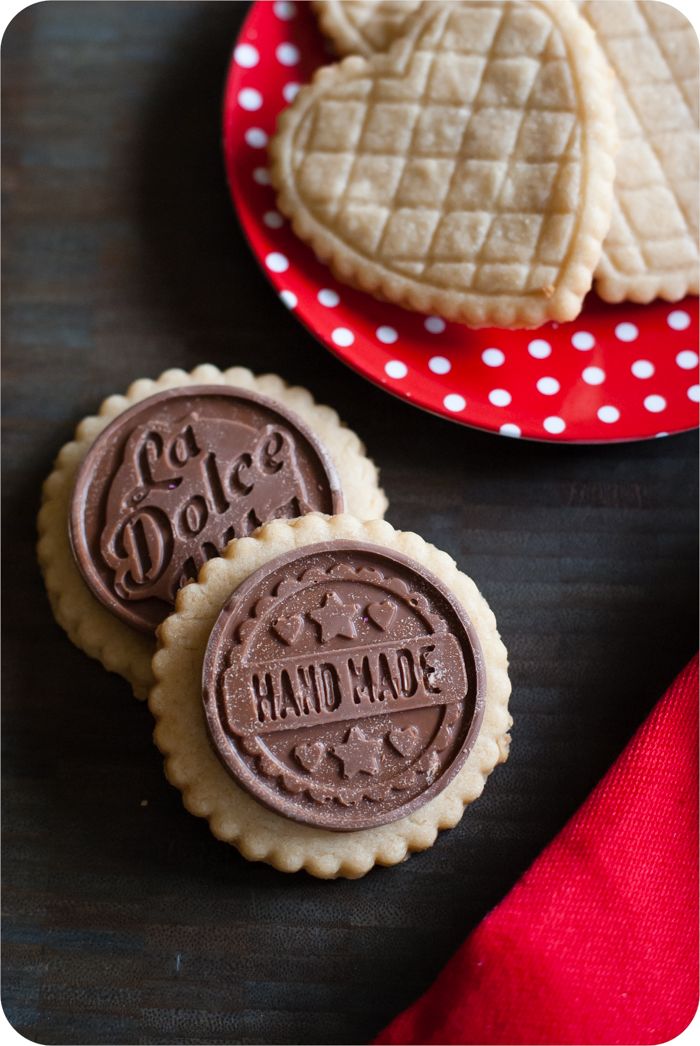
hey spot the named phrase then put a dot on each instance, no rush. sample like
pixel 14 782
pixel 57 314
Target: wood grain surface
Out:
pixel 125 921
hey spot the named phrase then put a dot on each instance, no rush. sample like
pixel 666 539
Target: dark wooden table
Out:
pixel 129 923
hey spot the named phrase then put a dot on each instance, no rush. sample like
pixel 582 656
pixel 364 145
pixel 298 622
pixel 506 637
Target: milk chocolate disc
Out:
pixel 343 685
pixel 173 479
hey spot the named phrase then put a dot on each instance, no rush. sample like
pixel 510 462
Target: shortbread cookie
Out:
pixel 467 172
pixel 148 500
pixel 355 694
pixel 364 27
pixel 651 249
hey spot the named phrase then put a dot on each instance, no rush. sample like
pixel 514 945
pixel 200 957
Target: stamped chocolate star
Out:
pixel 335 617
pixel 359 753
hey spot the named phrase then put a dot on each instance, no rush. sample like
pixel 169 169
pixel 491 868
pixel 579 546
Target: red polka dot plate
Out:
pixel 619 372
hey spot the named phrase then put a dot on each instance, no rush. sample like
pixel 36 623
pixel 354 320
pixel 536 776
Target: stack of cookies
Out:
pixel 487 162
pixel 328 692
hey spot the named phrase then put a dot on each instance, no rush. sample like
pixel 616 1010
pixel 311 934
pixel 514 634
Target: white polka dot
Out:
pixel 593 376
pixel 435 325
pixel 289 298
pixel 554 425
pixel 342 337
pixel 608 414
pixel 694 393
pixel 277 262
pixel 287 54
pixel 660 435
pixel 687 359
pixel 250 99
pixel 626 332
pixel 284 9
pixel 290 91
pixel 439 365
pixel 261 175
pixel 509 429
pixel 655 404
pixel 246 56
pixel 328 298
pixel 387 336
pixel 548 386
pixel 539 348
pixel 273 219
pixel 256 138
pixel 454 402
pixel 500 397
pixel 396 369
pixel 493 357
pixel 582 340
pixel 642 368
pixel 678 320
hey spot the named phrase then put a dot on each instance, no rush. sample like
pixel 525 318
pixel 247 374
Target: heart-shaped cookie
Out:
pixel 467 171
pixel 407 742
pixel 382 613
pixel 310 755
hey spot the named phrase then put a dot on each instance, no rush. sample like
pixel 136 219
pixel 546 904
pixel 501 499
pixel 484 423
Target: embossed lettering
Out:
pixel 386 687
pixel 355 683
pixel 264 698
pixel 428 669
pixel 239 480
pixel 269 462
pixel 308 694
pixel 330 687
pixel 210 499
pixel 407 682
pixel 361 680
pixel 183 447
pixel 216 490
pixel 144 548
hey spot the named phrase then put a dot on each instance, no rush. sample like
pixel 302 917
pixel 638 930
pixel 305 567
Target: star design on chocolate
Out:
pixel 359 753
pixel 335 617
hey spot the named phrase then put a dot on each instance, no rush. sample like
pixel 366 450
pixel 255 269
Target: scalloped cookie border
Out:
pixel 89 625
pixel 594 83
pixel 207 789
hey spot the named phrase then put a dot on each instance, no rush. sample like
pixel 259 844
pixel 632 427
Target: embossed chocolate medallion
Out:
pixel 173 479
pixel 343 685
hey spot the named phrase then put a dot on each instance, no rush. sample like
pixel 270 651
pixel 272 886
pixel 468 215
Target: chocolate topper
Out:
pixel 172 480
pixel 343 685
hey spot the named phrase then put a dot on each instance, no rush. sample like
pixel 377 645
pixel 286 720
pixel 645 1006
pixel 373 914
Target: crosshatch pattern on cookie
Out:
pixel 458 160
pixel 651 247
pixel 424 183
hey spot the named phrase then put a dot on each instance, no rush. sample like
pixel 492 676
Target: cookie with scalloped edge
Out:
pixel 468 171
pixel 209 791
pixel 651 250
pixel 89 624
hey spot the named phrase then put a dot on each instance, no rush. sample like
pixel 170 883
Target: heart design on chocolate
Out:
pixel 310 755
pixel 382 614
pixel 468 171
pixel 406 742
pixel 289 628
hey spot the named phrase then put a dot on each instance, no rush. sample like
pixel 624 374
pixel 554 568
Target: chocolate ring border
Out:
pixel 247 779
pixel 79 547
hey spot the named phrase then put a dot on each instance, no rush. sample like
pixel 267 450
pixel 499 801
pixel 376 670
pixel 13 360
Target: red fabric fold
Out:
pixel 598 942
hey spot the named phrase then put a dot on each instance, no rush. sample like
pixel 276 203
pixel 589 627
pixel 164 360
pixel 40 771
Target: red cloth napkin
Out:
pixel 598 942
